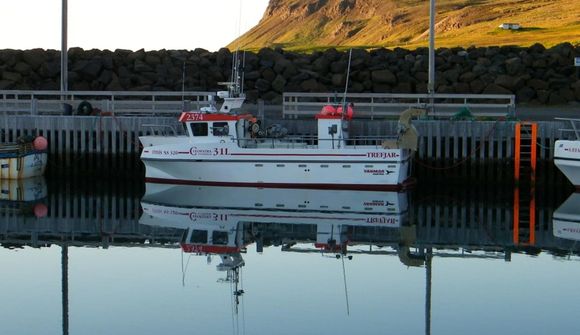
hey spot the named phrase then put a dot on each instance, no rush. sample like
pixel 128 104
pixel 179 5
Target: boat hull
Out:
pixel 344 169
pixel 566 219
pixel 20 166
pixel 276 199
pixel 567 159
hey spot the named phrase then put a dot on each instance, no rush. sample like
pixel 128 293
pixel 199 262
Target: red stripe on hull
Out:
pixel 374 187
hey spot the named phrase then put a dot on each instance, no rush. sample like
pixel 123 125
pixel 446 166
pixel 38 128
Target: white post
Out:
pixel 431 83
pixel 64 50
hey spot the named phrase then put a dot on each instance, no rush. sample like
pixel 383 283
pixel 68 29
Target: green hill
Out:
pixel 318 24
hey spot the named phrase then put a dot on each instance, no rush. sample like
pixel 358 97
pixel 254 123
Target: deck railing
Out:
pixel 309 142
pixel 124 103
pixel 373 105
pixel 573 130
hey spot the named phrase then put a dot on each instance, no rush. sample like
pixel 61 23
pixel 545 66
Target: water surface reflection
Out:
pixel 104 259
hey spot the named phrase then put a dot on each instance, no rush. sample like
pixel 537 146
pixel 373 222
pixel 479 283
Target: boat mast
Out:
pixel 345 287
pixel 346 84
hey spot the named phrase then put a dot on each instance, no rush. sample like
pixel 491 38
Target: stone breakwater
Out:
pixel 534 74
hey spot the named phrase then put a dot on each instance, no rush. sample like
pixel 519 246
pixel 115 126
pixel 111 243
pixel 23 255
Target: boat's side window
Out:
pixel 220 129
pixel 198 236
pixel 199 128
pixel 219 237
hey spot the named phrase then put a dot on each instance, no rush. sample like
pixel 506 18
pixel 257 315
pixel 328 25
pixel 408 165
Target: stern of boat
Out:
pixel 567 159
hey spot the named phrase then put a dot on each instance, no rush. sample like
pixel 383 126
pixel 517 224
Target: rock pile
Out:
pixel 534 74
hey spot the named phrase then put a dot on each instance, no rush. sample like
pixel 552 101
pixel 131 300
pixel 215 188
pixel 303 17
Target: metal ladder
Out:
pixel 526 134
pixel 524 230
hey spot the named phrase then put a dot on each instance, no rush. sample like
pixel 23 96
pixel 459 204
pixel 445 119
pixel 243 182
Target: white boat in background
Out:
pixel 566 219
pixel 24 159
pixel 214 216
pixel 567 151
pixel 224 148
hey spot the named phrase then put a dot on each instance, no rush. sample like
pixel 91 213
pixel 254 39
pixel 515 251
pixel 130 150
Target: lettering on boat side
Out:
pixel 194 151
pixel 166 152
pixel 193 117
pixel 383 220
pixel 383 154
pixel 574 149
pixel 37 161
pixel 194 216
pixel 572 230
pixel 378 172
pixel 220 151
pixel 166 211
pixel 377 203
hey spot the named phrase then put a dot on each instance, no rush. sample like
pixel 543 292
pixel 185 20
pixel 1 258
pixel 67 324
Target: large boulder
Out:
pixel 496 89
pixel 34 58
pixel 278 84
pixel 383 77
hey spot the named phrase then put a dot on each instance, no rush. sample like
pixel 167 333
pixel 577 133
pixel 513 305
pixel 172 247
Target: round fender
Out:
pixel 84 108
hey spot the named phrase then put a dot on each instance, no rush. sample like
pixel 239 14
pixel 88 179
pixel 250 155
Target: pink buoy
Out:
pixel 40 143
pixel 349 112
pixel 40 210
pixel 328 110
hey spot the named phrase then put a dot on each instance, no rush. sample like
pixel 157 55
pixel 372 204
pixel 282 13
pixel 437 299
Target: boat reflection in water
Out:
pixel 224 220
pixel 23 197
pixel 566 219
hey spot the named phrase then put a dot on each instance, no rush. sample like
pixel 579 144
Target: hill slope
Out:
pixel 313 24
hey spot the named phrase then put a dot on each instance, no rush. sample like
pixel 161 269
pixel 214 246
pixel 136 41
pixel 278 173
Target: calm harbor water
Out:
pixel 129 258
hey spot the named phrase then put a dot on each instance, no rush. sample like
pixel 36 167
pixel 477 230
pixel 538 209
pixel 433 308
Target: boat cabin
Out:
pixel 245 129
pixel 333 126
pixel 216 239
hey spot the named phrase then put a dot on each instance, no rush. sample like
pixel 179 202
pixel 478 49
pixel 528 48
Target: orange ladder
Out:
pixel 524 231
pixel 526 134
pixel 525 154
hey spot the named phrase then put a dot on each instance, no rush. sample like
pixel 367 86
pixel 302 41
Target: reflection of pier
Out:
pixel 107 216
pixel 463 224
pixel 485 221
pixel 98 215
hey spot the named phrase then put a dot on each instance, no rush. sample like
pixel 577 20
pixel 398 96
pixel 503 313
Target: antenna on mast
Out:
pixel 345 288
pixel 346 84
pixel 183 86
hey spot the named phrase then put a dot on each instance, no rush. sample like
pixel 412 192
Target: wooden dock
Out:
pixel 109 145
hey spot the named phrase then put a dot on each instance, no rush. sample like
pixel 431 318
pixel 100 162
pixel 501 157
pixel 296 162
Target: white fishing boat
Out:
pixel 227 148
pixel 566 219
pixel 24 159
pixel 567 151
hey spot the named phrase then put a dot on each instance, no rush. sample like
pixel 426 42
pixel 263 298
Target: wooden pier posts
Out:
pixel 109 145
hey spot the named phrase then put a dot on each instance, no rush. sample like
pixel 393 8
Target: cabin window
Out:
pixel 220 129
pixel 219 237
pixel 198 236
pixel 199 129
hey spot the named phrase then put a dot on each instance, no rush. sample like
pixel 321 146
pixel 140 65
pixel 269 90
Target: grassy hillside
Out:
pixel 317 24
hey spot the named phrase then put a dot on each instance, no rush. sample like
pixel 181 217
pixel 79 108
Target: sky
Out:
pixel 128 24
